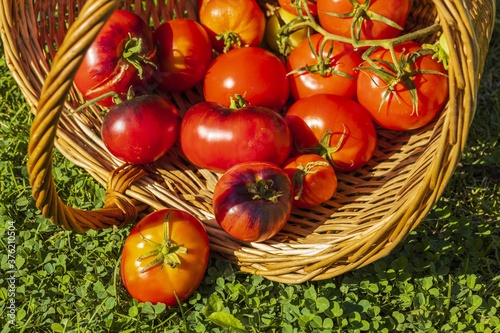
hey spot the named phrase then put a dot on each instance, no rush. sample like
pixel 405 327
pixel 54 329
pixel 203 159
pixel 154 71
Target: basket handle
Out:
pixel 118 210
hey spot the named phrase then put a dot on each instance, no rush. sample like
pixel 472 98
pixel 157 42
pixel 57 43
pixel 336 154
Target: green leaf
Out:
pixel 322 304
pixel 214 304
pixel 133 311
pixel 56 327
pixel 226 320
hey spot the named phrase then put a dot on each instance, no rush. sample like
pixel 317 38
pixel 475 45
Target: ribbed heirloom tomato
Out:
pixel 184 54
pixel 407 99
pixel 313 179
pixel 253 200
pixel 165 257
pixel 122 55
pixel 142 129
pixel 232 23
pixel 292 6
pixel 252 72
pixel 216 137
pixel 337 128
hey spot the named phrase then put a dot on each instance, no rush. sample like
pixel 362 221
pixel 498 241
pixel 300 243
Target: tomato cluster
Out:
pixel 290 101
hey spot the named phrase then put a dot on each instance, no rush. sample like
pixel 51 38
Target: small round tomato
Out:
pixel 233 23
pixel 364 19
pixel 408 99
pixel 252 201
pixel 252 72
pixel 292 6
pixel 281 37
pixel 165 257
pixel 184 54
pixel 142 129
pixel 216 137
pixel 337 128
pixel 329 67
pixel 313 179
pixel 123 55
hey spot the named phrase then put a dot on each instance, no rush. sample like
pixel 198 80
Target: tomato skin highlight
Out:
pixel 184 54
pixel 142 129
pixel 105 67
pixel 216 137
pixel 252 72
pixel 395 10
pixel 159 283
pixel 313 179
pixel 397 112
pixel 353 138
pixel 240 213
pixel 242 18
pixel 342 59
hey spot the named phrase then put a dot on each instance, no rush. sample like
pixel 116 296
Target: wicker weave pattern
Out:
pixel 374 209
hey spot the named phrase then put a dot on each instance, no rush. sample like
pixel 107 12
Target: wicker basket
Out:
pixel 373 210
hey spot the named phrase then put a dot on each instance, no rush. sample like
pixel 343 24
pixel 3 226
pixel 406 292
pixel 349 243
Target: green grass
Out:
pixel 445 277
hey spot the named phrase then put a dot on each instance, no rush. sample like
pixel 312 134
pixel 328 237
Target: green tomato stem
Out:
pixel 262 190
pixel 166 253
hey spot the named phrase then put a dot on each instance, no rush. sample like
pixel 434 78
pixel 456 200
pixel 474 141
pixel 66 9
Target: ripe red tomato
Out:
pixel 252 72
pixel 184 54
pixel 142 129
pixel 386 94
pixel 252 201
pixel 328 68
pixel 313 179
pixel 165 255
pixel 215 137
pixel 233 23
pixel 122 55
pixel 370 16
pixel 337 128
pixel 291 6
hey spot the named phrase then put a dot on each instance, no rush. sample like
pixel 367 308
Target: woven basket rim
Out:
pixel 313 246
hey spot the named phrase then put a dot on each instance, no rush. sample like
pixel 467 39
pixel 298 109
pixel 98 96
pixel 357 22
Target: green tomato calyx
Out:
pixel 263 190
pixel 133 53
pixel 166 253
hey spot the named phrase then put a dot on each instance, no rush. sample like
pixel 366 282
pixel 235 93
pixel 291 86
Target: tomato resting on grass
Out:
pixel 252 201
pixel 184 54
pixel 313 179
pixel 216 137
pixel 404 99
pixel 123 55
pixel 252 72
pixel 142 129
pixel 165 257
pixel 335 127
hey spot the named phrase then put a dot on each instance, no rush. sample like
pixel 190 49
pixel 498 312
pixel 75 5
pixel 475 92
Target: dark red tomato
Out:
pixel 184 54
pixel 252 201
pixel 165 256
pixel 328 68
pixel 215 137
pixel 313 179
pixel 407 100
pixel 142 129
pixel 123 55
pixel 376 19
pixel 292 5
pixel 233 23
pixel 252 72
pixel 337 128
